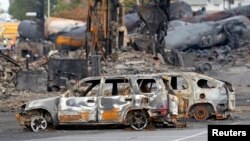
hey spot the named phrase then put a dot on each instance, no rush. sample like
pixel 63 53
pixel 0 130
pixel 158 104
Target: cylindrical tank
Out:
pixel 71 40
pixel 28 29
pixel 180 10
pixel 200 35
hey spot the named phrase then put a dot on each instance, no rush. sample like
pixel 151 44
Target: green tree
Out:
pixel 62 5
pixel 18 8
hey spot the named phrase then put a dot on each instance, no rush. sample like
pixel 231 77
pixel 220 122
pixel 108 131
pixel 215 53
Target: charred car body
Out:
pixel 201 96
pixel 131 100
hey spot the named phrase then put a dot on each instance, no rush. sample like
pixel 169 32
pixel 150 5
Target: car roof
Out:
pixel 122 76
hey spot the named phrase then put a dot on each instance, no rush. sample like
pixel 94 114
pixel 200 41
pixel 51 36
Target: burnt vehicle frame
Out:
pixel 201 96
pixel 129 100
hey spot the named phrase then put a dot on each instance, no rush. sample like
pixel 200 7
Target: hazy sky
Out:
pixel 4 4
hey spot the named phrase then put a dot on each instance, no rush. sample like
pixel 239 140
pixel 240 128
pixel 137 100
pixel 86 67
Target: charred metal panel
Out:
pixel 113 108
pixel 62 70
pixel 77 109
pixel 32 80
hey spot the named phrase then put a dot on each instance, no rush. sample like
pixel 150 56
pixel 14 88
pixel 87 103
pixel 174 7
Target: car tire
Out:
pixel 38 123
pixel 138 120
pixel 201 113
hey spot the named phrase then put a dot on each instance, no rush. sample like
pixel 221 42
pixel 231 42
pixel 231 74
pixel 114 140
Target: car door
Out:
pixel 79 105
pixel 149 93
pixel 183 90
pixel 116 96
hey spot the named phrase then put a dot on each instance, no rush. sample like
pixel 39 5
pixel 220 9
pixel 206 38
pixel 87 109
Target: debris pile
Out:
pixel 135 62
pixel 195 37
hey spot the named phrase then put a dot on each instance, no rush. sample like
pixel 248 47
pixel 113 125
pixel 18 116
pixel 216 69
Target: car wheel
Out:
pixel 201 113
pixel 38 123
pixel 139 120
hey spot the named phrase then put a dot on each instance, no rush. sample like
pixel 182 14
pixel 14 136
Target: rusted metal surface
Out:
pixel 109 100
pixel 105 28
pixel 201 112
pixel 111 115
pixel 69 118
pixel 201 96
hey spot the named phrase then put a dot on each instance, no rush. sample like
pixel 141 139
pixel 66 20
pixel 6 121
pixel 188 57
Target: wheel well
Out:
pixel 134 110
pixel 208 105
pixel 42 112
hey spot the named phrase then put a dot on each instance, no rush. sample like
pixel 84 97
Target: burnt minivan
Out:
pixel 201 96
pixel 135 100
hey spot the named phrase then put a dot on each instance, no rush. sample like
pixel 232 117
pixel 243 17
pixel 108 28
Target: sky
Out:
pixel 4 4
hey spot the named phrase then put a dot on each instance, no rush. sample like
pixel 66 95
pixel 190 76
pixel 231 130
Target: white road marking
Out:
pixel 195 135
pixel 235 123
pixel 191 136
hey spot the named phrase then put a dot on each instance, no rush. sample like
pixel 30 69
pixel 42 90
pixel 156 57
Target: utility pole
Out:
pixel 48 8
pixel 137 2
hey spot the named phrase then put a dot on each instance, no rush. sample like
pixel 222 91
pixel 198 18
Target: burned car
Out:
pixel 201 97
pixel 135 100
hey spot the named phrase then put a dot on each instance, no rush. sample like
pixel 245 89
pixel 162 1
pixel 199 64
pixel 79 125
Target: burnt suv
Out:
pixel 201 96
pixel 132 100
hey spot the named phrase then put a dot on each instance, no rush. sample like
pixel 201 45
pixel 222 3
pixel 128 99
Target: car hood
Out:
pixel 46 103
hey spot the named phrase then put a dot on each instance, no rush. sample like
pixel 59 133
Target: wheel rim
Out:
pixel 38 123
pixel 201 113
pixel 139 121
pixel 231 60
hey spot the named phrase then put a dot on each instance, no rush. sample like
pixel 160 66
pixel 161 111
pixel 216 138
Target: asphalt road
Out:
pixel 195 131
